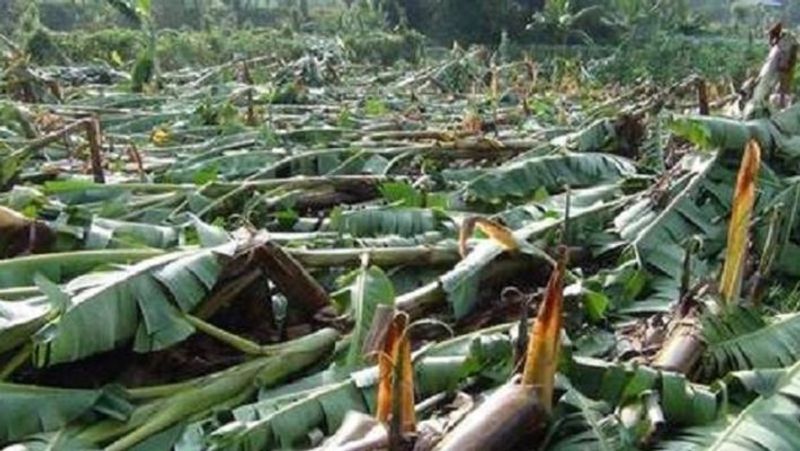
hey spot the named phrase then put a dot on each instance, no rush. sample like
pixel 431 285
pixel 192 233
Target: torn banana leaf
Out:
pixel 141 304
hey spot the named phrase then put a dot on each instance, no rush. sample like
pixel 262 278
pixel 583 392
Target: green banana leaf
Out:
pixel 743 340
pixel 60 267
pixel 374 222
pixel 520 180
pixel 770 423
pixel 370 289
pixel 779 136
pixel 104 233
pixel 462 282
pixel 28 410
pixel 232 166
pixel 141 303
pixel 285 421
pixel 20 319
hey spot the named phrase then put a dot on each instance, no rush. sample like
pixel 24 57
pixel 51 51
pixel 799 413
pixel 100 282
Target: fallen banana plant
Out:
pixel 684 346
pixel 91 126
pixel 520 409
pixel 148 304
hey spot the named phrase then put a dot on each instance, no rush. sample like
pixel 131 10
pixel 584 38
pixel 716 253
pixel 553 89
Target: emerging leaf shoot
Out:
pixel 544 342
pixel 743 200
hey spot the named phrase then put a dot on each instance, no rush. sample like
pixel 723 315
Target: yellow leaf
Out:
pixel 743 200
pixel 116 59
pixel 496 232
pixel 545 340
pixel 160 137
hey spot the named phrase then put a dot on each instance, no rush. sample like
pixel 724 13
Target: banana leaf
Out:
pixel 743 340
pixel 770 423
pixel 284 417
pixel 233 166
pixel 140 304
pixel 374 222
pixel 520 180
pixel 20 319
pixel 28 410
pixel 200 397
pixel 585 424
pixel 60 267
pixel 778 136
pixel 461 284
pixel 104 233
pixel 371 288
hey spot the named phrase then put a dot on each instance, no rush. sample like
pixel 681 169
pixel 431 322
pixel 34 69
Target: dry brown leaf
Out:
pixel 404 416
pixel 396 378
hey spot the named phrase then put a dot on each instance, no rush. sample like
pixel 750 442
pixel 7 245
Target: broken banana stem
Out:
pixel 516 411
pixel 683 347
pixel 509 415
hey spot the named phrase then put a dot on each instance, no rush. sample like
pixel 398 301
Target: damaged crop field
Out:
pixel 398 224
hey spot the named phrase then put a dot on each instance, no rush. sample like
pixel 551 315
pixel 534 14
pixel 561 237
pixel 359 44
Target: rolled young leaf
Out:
pixel 743 200
pixel 545 341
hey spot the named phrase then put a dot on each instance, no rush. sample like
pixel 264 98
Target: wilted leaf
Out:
pixel 498 233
